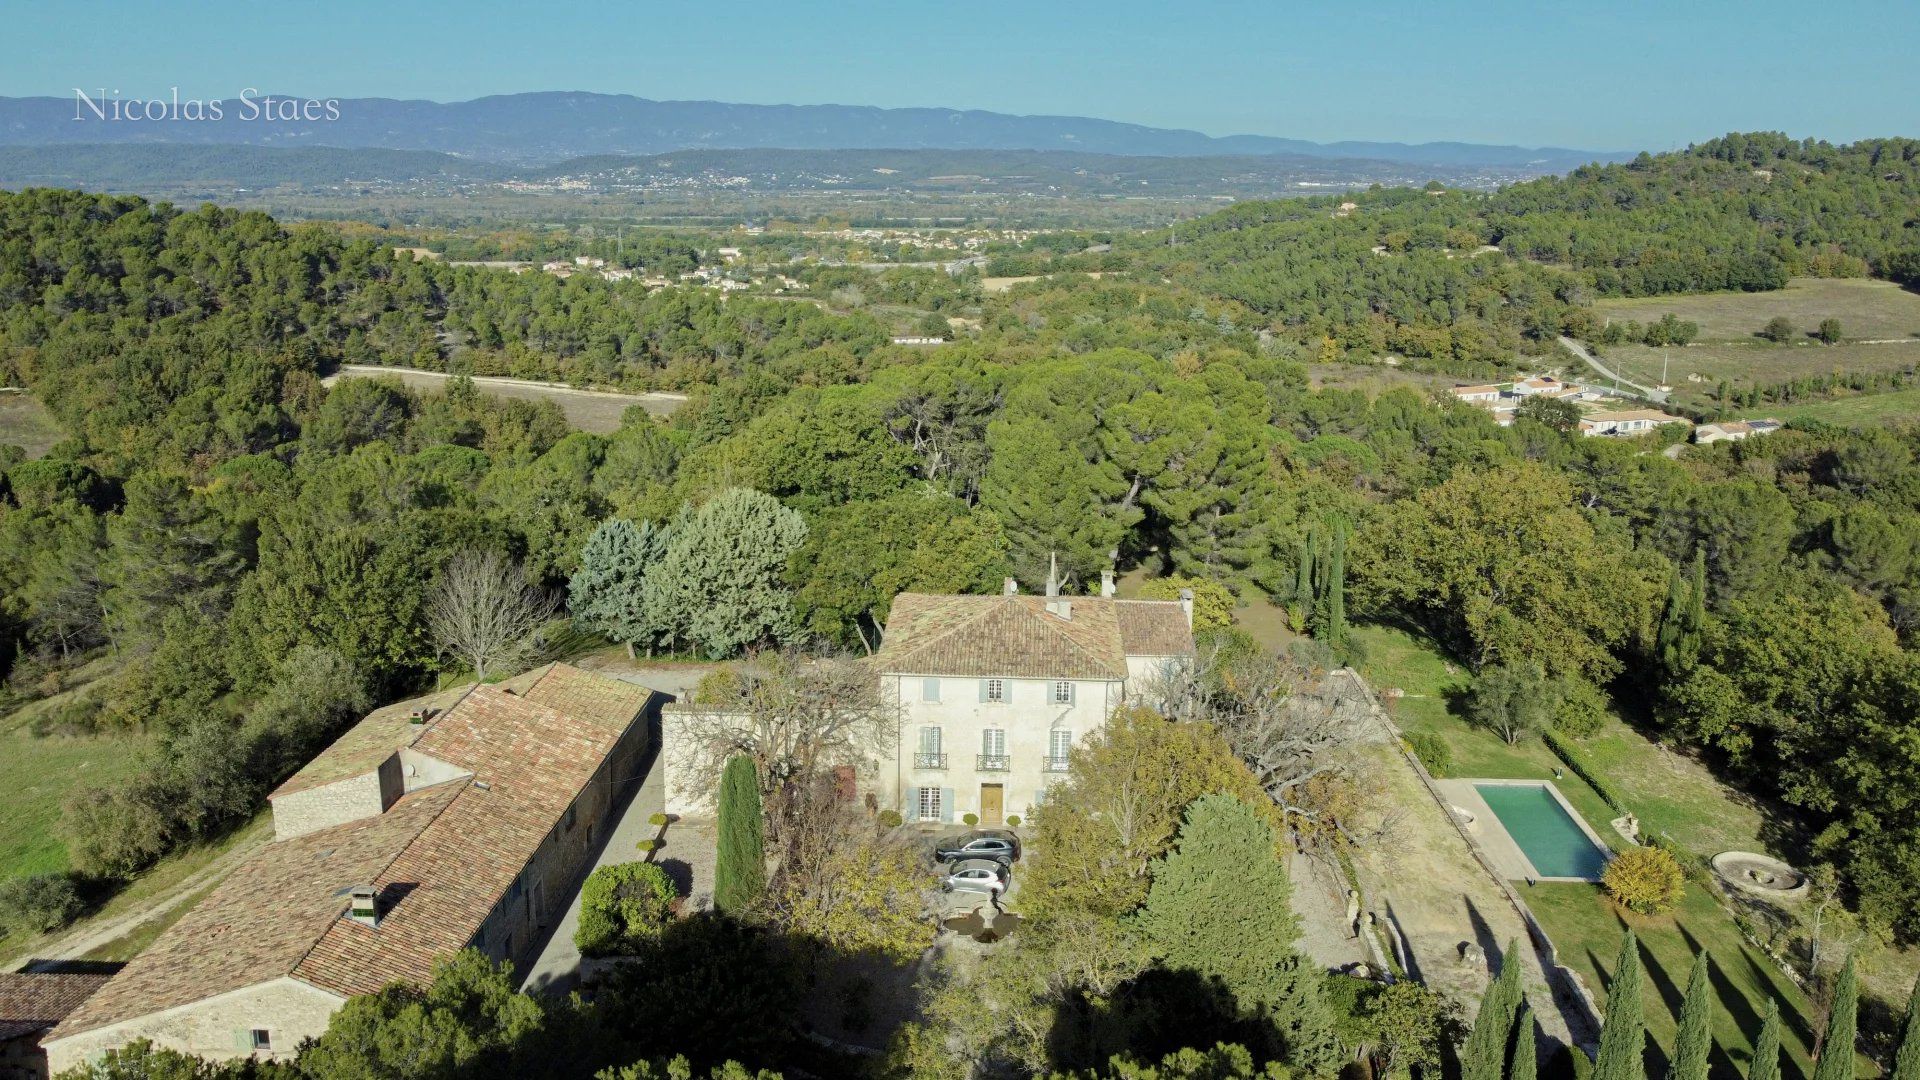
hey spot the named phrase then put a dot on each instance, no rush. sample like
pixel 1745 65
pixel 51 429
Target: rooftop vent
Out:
pixel 1060 608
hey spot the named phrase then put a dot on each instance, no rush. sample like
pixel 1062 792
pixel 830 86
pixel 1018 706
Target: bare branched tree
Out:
pixel 1292 723
pixel 798 718
pixel 484 611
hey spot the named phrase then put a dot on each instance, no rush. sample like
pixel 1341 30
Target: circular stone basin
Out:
pixel 1760 875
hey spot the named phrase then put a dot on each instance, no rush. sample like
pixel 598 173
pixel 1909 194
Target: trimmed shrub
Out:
pixel 1013 821
pixel 1564 750
pixel 970 820
pixel 1432 750
pixel 889 819
pixel 37 904
pixel 658 821
pixel 1648 880
pixel 622 908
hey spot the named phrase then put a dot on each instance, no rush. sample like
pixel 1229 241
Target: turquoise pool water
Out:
pixel 1547 836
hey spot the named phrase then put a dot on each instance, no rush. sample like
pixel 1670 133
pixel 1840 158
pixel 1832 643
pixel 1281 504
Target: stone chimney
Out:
pixel 1009 587
pixel 1186 606
pixel 1106 584
pixel 1053 576
pixel 364 907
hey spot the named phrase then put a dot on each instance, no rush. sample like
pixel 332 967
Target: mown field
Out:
pixel 1867 310
pixel 1757 363
pixel 597 411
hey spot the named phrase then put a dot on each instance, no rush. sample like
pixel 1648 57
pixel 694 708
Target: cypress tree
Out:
pixel 1836 1050
pixel 1694 1042
pixel 1336 631
pixel 1526 1062
pixel 1303 583
pixel 1906 1063
pixel 1766 1048
pixel 1623 1037
pixel 1484 1057
pixel 740 868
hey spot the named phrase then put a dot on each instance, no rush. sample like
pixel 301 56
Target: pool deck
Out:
pixel 1492 836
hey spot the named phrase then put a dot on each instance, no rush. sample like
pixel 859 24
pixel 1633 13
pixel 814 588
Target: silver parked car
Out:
pixel 985 876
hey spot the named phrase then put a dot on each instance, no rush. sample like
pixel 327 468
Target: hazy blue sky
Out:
pixel 1593 75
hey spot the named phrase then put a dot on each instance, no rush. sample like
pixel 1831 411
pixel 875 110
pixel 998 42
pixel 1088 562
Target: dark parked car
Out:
pixel 996 846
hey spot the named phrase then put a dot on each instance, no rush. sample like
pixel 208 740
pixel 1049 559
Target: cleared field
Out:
pixel 1865 410
pixel 26 423
pixel 1866 309
pixel 38 775
pixel 598 411
pixel 1744 364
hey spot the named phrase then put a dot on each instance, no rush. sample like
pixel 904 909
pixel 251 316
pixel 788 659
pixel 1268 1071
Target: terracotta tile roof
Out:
pixel 1013 636
pixel 1154 628
pixel 268 914
pixel 534 761
pixel 368 743
pixel 33 1002
pixel 611 703
pixel 441 857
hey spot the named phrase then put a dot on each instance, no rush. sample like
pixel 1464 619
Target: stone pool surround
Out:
pixel 1491 834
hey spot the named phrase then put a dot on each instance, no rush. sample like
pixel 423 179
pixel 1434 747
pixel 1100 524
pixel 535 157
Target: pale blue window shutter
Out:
pixel 983 691
pixel 929 689
pixel 946 805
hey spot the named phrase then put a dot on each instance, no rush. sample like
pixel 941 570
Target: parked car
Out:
pixel 988 876
pixel 994 846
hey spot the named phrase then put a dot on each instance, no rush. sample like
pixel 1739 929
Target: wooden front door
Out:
pixel 991 803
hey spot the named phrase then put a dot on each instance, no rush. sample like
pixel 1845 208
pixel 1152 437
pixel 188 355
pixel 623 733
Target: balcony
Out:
pixel 929 761
pixel 1056 764
pixel 991 763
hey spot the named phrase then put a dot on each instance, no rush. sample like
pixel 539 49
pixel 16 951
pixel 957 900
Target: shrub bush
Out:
pixel 1647 879
pixel 1013 821
pixel 622 908
pixel 37 904
pixel 1564 750
pixel 889 819
pixel 658 821
pixel 1432 750
pixel 970 819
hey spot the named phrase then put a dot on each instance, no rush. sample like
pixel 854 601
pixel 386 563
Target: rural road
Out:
pixel 1580 351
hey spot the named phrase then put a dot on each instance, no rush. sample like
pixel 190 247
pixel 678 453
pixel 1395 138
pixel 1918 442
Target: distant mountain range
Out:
pixel 555 126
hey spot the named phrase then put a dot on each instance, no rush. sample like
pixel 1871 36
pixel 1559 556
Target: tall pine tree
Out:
pixel 1836 1050
pixel 1694 1043
pixel 1766 1048
pixel 1906 1063
pixel 1623 1037
pixel 740 868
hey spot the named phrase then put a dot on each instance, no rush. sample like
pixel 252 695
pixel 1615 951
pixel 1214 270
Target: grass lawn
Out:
pixel 1670 793
pixel 1867 310
pixel 37 776
pixel 1586 928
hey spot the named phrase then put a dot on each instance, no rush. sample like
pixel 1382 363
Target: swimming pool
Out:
pixel 1545 832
